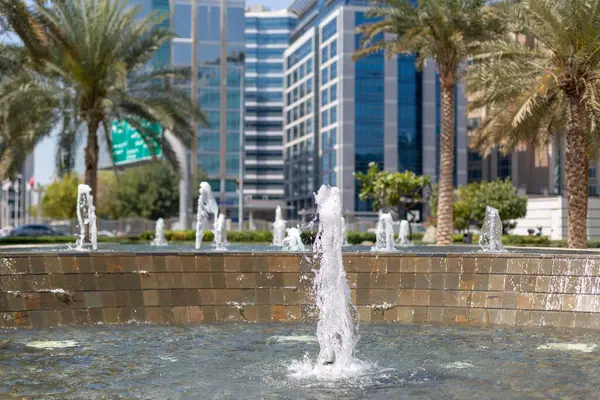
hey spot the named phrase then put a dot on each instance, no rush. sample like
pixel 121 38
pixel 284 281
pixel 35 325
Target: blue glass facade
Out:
pixel 209 94
pixel 267 35
pixel 368 110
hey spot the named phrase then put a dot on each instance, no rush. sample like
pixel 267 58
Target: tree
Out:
pixel 534 93
pixel 98 52
pixel 149 191
pixel 470 202
pixel 447 31
pixel 400 191
pixel 107 203
pixel 26 109
pixel 60 198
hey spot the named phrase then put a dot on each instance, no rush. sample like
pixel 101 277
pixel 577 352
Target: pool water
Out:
pixel 251 361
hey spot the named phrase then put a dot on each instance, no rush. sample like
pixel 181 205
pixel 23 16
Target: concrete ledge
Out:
pixel 50 289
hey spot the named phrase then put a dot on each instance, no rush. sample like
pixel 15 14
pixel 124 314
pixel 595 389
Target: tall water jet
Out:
pixel 385 233
pixel 293 240
pixel 86 217
pixel 403 233
pixel 278 228
pixel 490 237
pixel 220 233
pixel 206 205
pixel 337 333
pixel 159 234
pixel 344 232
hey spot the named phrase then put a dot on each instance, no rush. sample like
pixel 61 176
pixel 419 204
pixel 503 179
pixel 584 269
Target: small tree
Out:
pixel 502 195
pixel 399 191
pixel 149 191
pixel 60 198
pixel 470 201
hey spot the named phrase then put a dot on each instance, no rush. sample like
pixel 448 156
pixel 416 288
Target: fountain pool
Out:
pixel 241 361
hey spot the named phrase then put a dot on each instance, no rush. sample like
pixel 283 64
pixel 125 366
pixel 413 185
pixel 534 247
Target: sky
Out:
pixel 44 168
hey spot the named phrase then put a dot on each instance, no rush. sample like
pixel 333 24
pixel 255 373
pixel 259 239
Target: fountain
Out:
pixel 490 237
pixel 159 235
pixel 220 233
pixel 293 240
pixel 278 228
pixel 385 233
pixel 344 233
pixel 403 232
pixel 337 333
pixel 206 205
pixel 86 217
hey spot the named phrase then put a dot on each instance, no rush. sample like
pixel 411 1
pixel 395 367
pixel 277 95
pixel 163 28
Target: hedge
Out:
pixel 308 237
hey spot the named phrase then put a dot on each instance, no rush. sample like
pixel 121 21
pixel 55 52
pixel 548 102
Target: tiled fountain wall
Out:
pixel 38 290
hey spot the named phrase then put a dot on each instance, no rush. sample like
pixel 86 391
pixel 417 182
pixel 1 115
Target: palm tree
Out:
pixel 26 109
pixel 446 31
pixel 536 92
pixel 99 53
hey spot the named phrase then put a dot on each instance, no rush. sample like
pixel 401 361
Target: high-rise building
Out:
pixel 219 159
pixel 340 115
pixel 267 36
pixel 207 14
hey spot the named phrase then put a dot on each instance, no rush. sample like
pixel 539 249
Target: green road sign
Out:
pixel 128 145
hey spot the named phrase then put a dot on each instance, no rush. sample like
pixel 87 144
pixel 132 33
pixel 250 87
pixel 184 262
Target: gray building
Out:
pixel 340 115
pixel 267 35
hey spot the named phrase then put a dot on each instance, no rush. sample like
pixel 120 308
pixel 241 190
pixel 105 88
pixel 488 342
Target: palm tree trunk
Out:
pixel 577 165
pixel 91 155
pixel 444 211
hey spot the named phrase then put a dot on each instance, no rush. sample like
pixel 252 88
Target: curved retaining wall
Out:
pixel 39 290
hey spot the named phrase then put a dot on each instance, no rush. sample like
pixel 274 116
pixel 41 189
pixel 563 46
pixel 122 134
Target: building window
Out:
pixel 309 66
pixel 333 136
pixel 333 92
pixel 324 97
pixel 333 115
pixel 329 29
pixel 309 126
pixel 182 20
pixel 324 76
pixel 324 118
pixel 504 167
pixel 324 55
pixel 325 142
pixel 301 71
pixel 333 49
pixel 302 91
pixel 295 76
pixel 289 98
pixel 309 85
pixel 309 106
pixel 333 70
pixel 592 190
pixel 301 110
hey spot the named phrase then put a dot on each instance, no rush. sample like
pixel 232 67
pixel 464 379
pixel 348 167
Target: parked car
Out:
pixel 34 230
pixel 4 232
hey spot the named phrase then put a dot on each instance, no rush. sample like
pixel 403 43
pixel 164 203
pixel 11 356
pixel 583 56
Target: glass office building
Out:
pixel 179 52
pixel 267 36
pixel 340 114
pixel 208 41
